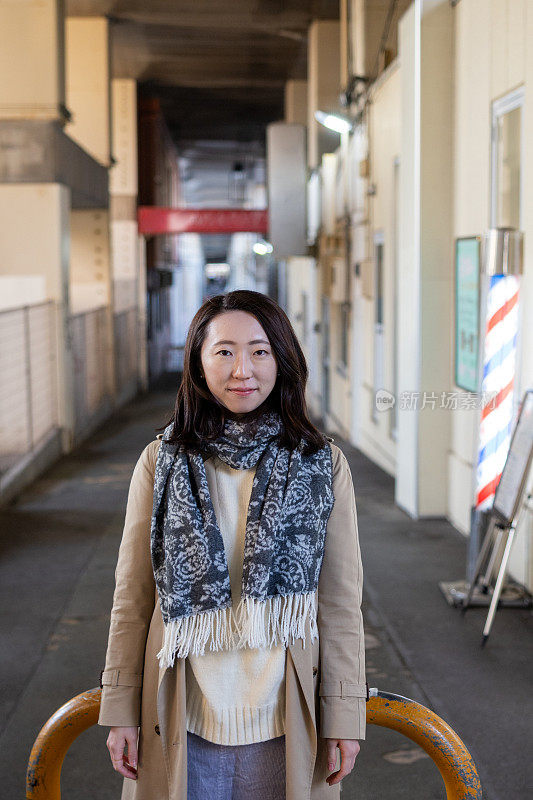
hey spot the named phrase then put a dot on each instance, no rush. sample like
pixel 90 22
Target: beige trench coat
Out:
pixel 325 680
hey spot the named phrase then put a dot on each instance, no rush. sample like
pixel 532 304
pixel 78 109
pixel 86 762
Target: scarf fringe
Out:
pixel 255 623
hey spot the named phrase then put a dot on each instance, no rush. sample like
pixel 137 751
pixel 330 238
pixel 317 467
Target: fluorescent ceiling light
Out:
pixel 334 122
pixel 262 248
pixel 217 270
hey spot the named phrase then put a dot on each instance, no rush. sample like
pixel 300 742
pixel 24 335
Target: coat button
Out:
pixel 315 670
pixel 157 730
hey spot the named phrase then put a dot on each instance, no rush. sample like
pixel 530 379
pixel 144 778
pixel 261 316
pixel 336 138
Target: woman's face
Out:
pixel 236 355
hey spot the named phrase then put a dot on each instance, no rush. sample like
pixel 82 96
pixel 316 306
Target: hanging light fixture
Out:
pixel 335 122
pixel 262 248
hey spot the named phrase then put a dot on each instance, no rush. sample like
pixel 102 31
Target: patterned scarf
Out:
pixel 291 500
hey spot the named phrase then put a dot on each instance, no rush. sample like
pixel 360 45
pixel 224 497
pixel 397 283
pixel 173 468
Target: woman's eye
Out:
pixel 261 351
pixel 223 351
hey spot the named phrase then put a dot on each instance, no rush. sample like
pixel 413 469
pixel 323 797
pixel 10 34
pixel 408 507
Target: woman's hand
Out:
pixel 349 749
pixel 116 741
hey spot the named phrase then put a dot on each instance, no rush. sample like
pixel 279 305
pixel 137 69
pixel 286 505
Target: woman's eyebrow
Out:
pixel 254 341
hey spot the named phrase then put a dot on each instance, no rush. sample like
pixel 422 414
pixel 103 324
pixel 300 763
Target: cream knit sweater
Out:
pixel 235 696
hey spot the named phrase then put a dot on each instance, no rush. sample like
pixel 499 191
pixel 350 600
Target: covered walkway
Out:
pixel 366 164
pixel 59 547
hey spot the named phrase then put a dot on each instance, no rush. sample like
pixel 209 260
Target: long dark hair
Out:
pixel 199 416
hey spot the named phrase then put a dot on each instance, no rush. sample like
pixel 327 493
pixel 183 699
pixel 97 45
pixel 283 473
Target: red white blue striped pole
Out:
pixel 497 384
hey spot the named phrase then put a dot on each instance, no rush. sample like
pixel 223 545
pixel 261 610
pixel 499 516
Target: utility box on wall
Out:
pixel 287 175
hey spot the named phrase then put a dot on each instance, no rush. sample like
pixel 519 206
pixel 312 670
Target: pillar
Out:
pixel 31 61
pixel 87 91
pixel 323 87
pixel 88 84
pixel 129 285
pixel 425 313
pixel 34 206
pixel 296 102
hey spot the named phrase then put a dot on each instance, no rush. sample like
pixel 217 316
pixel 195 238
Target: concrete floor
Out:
pixel 59 546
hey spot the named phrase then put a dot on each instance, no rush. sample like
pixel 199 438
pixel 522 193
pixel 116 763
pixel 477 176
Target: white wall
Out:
pixel 384 129
pixel 302 281
pixel 21 290
pixel 43 208
pixel 186 289
pixel 358 203
pixel 242 261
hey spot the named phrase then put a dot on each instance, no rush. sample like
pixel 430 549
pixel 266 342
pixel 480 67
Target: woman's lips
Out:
pixel 242 391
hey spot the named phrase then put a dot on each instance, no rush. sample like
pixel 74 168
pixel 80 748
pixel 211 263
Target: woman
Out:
pixel 235 660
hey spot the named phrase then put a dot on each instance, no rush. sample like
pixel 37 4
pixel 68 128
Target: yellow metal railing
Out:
pixel 435 736
pixel 406 716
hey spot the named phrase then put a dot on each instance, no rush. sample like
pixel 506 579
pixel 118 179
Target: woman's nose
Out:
pixel 242 367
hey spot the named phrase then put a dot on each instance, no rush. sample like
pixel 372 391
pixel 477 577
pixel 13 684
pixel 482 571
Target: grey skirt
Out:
pixel 235 772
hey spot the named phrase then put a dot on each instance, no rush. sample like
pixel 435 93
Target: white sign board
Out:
pixel 287 176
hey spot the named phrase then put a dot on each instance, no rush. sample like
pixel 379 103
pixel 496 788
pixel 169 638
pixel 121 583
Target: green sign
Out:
pixel 467 256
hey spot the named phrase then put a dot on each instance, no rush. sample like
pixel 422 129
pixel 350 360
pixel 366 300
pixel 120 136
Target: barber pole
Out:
pixel 499 340
pixel 497 385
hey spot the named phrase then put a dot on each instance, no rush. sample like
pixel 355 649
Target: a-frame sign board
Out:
pixel 505 513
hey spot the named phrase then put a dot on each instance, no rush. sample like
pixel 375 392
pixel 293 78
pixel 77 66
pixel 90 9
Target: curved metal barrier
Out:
pixel 393 711
pixel 435 736
pixel 55 737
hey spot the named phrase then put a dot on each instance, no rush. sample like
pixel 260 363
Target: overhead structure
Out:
pixel 157 220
